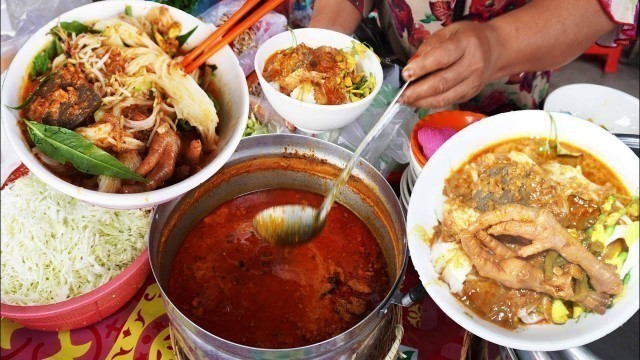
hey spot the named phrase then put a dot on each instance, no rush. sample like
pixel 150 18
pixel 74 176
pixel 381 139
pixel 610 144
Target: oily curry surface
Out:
pixel 241 288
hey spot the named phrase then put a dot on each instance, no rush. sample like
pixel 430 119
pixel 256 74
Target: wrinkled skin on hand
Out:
pixel 458 62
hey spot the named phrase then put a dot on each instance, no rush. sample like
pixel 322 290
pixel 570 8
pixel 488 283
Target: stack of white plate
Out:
pixel 407 181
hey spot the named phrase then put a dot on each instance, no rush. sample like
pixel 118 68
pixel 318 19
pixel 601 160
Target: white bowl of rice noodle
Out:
pixel 150 81
pixel 307 115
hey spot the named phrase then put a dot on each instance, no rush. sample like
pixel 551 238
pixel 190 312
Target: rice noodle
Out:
pixel 146 123
pixel 47 160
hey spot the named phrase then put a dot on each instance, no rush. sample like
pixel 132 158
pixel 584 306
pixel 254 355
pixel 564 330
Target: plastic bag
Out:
pixel 246 45
pixel 392 146
pixel 27 17
pixel 267 116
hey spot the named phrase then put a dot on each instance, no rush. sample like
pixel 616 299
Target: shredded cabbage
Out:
pixel 55 247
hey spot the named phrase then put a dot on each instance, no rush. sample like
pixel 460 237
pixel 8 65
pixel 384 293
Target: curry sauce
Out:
pixel 242 289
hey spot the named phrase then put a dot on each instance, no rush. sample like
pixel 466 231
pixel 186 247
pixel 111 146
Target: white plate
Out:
pixel 425 209
pixel 618 111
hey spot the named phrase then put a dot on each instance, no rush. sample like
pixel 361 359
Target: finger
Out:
pixel 460 93
pixel 434 54
pixel 437 83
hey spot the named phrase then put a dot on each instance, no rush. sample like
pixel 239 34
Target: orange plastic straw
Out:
pixel 250 4
pixel 232 34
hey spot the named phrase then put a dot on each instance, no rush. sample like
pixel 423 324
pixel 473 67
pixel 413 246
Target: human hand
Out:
pixel 456 62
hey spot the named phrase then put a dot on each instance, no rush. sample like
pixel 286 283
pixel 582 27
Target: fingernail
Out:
pixel 407 74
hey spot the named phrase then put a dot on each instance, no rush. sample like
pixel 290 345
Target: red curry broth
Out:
pixel 242 289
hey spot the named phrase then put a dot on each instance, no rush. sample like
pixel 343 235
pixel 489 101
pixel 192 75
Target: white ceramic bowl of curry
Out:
pixel 426 208
pixel 229 79
pixel 316 118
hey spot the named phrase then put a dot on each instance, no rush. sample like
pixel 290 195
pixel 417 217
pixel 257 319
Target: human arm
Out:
pixel 460 59
pixel 339 15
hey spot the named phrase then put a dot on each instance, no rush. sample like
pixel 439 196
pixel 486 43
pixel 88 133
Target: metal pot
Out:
pixel 281 161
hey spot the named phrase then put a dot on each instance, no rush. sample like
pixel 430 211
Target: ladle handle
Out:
pixel 342 179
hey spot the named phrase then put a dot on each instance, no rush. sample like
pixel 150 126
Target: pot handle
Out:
pixel 414 295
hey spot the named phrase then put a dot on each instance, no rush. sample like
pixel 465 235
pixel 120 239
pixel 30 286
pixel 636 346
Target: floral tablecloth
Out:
pixel 140 330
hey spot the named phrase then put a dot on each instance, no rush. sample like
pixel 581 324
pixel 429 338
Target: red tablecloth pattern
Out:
pixel 140 330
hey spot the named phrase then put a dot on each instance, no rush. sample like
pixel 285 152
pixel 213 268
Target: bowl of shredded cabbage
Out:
pixel 65 263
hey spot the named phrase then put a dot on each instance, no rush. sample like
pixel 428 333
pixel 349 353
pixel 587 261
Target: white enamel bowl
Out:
pixel 234 100
pixel 425 208
pixel 619 112
pixel 314 118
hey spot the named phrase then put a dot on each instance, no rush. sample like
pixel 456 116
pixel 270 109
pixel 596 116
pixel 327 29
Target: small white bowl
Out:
pixel 425 208
pixel 617 111
pixel 229 79
pixel 314 118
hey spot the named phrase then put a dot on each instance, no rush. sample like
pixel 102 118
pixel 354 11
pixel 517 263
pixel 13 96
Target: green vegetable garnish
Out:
pixel 65 145
pixel 128 11
pixel 76 27
pixel 254 126
pixel 626 278
pixel 40 65
pixel 184 37
pixel 42 62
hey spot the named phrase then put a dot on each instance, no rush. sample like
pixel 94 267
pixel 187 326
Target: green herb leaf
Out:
pixel 184 37
pixel 65 145
pixel 41 64
pixel 127 10
pixel 76 27
pixel 30 97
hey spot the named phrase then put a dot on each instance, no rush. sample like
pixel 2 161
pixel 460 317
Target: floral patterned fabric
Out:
pixel 410 22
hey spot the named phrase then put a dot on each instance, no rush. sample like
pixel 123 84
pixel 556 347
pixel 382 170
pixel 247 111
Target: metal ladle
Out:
pixel 297 224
